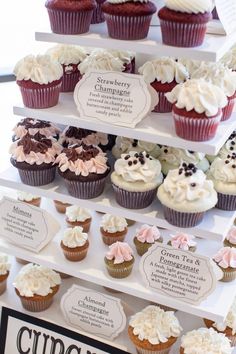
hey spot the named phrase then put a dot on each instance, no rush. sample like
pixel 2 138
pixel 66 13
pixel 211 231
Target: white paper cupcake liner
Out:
pixel 146 351
pixel 36 306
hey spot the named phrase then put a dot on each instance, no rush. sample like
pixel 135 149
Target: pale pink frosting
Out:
pixel 120 252
pixel 91 139
pixel 148 234
pixel 182 241
pixel 21 131
pixel 231 236
pixel 226 257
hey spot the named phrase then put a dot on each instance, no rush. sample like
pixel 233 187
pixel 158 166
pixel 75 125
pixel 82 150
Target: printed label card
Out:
pixel 226 24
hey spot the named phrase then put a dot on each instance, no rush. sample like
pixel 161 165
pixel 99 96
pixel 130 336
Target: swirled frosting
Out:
pixel 223 174
pixel 147 233
pixel 124 145
pixel 26 197
pixel 5 266
pixel 120 252
pixel 205 341
pixel 231 235
pixel 35 149
pixel 101 60
pixel 40 69
pixel 36 280
pixel 75 213
pixel 198 95
pixel 230 320
pixel 73 135
pixel 190 7
pixel 67 54
pixel 155 325
pixel 226 257
pixel 229 147
pixel 187 190
pixel 182 241
pixel 164 70
pixel 34 126
pixel 74 237
pixel 113 224
pixel 229 59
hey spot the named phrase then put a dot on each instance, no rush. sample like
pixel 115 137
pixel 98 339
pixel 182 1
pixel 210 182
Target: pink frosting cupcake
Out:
pixel 226 260
pixel 183 242
pixel 34 126
pixel 145 237
pixel 230 240
pixel 119 260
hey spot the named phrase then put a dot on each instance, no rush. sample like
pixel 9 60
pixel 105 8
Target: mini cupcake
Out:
pixel 113 228
pixel 40 80
pixel 29 198
pixel 119 260
pixel 5 267
pixel 230 240
pixel 34 157
pixel 98 15
pixel 226 260
pixel 36 286
pixel 183 242
pixel 127 58
pixel 124 145
pixel 135 180
pixel 84 169
pixel 145 237
pixel 153 330
pixel 184 23
pixel 205 341
pixel 197 109
pixel 60 206
pixel 163 75
pixel 76 216
pixel 186 195
pixel 223 174
pixel 75 244
pixel 129 19
pixel 34 126
pixel 70 17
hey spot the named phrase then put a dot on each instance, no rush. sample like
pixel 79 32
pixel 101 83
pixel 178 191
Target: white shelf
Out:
pixel 157 128
pixel 215 225
pixel 213 48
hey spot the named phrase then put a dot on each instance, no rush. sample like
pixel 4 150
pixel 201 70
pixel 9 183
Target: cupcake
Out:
pixel 34 126
pixel 183 242
pixel 205 341
pixel 227 149
pixel 223 174
pixel 171 158
pixel 186 195
pixel 230 240
pixel 60 206
pixel 98 15
pixel 36 286
pixel 113 228
pixel 127 58
pixel 5 267
pixel 75 244
pixel 145 237
pixel 225 258
pixel 163 75
pixel 69 56
pixel 84 169
pixel 70 17
pixel 153 330
pixel 40 80
pixel 34 157
pixel 77 216
pixel 29 198
pixel 197 109
pixel 184 23
pixel 135 179
pixel 124 145
pixel 229 59
pixel 119 260
pixel 128 19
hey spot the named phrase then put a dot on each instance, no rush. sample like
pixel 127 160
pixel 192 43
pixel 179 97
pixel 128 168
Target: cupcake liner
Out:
pixel 3 286
pixel 69 81
pixel 196 129
pixel 128 27
pixel 36 202
pixel 85 190
pixel 182 219
pixel 146 351
pixel 226 202
pixel 119 272
pixel 229 275
pixel 37 177
pixel 181 350
pixel 98 15
pixel 109 240
pixel 215 14
pixel 142 248
pixel 36 306
pixel 70 22
pixel 228 110
pixel 163 106
pixel 134 200
pixel 75 256
pixel 180 34
pixel 45 97
pixel 61 207
pixel 229 244
pixel 84 224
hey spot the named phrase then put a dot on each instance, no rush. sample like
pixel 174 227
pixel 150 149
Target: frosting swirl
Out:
pixel 34 126
pixel 231 235
pixel 125 145
pixel 113 224
pixel 148 234
pixel 193 7
pixel 120 252
pixel 74 237
pixel 67 54
pixel 73 135
pixel 75 213
pixel 223 174
pixel 5 266
pixel 226 257
pixel 182 241
pixel 101 60
pixel 26 197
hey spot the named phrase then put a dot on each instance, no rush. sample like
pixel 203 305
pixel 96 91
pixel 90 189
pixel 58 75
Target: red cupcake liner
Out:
pixel 134 200
pixel 226 202
pixel 182 219
pixel 70 22
pixel 37 177
pixel 69 81
pixel 215 14
pixel 182 34
pixel 98 15
pixel 36 306
pixel 85 190
pixel 41 97
pixel 228 110
pixel 163 105
pixel 196 129
pixel 128 27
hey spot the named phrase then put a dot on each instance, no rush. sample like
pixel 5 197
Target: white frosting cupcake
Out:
pixel 223 174
pixel 67 54
pixel 113 224
pixel 75 213
pixel 74 237
pixel 101 60
pixel 124 145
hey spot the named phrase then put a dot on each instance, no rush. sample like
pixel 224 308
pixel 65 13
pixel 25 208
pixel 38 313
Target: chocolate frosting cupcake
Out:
pixel 34 126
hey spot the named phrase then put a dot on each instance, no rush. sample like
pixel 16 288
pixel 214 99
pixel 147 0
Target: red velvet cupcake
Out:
pixel 184 23
pixel 98 15
pixel 70 16
pixel 129 20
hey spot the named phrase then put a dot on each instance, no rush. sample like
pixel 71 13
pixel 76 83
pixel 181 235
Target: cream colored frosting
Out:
pixel 148 234
pixel 226 257
pixel 120 252
pixel 75 213
pixel 5 266
pixel 36 280
pixel 20 130
pixel 40 69
pixel 113 224
pixel 182 241
pixel 26 197
pixel 125 145
pixel 191 7
pixel 74 237
pixel 124 55
pixel 223 175
pixel 155 325
pixel 200 95
pixel 94 138
pixel 229 59
pixel 67 54
pixel 230 320
pixel 190 64
pixel 101 60
pixel 165 70
pixel 231 235
pixel 205 341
